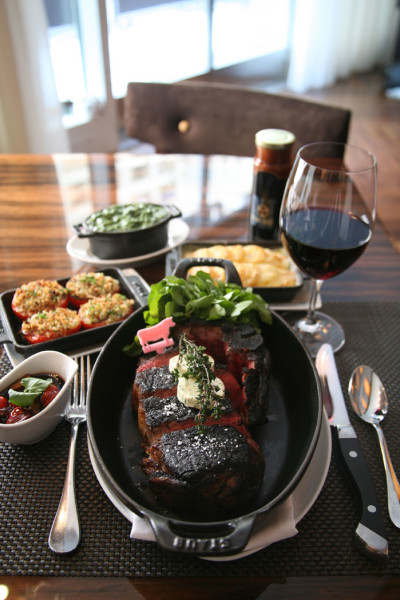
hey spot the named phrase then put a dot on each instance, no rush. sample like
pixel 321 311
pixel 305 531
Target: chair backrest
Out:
pixel 210 118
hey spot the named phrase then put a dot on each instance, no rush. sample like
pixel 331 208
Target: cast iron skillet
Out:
pixel 130 285
pixel 287 440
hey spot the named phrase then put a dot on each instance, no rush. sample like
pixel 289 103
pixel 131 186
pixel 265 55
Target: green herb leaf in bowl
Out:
pixel 33 387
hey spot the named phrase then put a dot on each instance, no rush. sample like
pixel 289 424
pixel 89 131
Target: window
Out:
pixel 164 42
pixel 246 30
pixel 98 46
pixel 76 53
pixel 174 40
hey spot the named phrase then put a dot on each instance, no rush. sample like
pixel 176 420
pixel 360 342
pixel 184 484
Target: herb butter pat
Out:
pixel 189 390
pixel 179 362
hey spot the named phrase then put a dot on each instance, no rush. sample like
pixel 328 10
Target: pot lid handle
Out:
pixel 174 210
pixel 232 276
pixel 82 230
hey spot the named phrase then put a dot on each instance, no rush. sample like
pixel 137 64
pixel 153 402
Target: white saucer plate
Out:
pixel 178 231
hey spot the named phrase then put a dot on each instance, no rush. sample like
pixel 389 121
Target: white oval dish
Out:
pixel 41 425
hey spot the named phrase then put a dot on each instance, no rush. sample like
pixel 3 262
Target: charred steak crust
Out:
pixel 242 336
pixel 197 457
pixel 154 379
pixel 219 469
pixel 161 410
pixel 255 381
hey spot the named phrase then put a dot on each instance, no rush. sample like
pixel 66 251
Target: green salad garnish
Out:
pixel 32 388
pixel 202 297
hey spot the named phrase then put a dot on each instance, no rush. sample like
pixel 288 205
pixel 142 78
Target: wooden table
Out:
pixel 41 197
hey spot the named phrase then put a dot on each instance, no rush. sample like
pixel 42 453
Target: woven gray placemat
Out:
pixel 32 478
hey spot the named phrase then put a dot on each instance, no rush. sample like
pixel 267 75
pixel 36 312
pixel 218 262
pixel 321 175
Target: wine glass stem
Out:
pixel 316 286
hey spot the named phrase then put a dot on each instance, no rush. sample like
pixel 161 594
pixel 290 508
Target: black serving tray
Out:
pixel 131 286
pixel 269 294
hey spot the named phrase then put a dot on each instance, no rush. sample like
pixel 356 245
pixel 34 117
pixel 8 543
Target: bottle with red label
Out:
pixel 272 164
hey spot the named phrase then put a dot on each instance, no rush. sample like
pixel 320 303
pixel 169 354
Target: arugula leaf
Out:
pixel 216 312
pixel 202 297
pixel 33 387
pixel 203 302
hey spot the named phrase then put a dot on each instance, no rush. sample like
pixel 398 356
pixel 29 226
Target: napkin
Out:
pixel 273 526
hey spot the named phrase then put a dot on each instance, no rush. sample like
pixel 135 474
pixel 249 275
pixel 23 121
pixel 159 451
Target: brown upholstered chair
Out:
pixel 210 118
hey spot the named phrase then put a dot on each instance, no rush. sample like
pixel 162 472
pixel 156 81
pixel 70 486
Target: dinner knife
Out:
pixel 370 531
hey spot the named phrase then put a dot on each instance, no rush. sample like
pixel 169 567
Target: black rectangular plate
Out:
pixel 269 294
pixel 130 286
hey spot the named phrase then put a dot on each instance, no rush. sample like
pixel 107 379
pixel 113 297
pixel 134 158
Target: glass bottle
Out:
pixel 272 164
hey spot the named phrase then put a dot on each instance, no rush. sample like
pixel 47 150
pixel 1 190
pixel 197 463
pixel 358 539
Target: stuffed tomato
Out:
pixel 86 286
pixel 105 310
pixel 50 324
pixel 37 296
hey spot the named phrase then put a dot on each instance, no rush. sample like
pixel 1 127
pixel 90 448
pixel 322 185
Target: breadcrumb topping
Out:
pixel 92 285
pixel 58 321
pixel 107 309
pixel 39 295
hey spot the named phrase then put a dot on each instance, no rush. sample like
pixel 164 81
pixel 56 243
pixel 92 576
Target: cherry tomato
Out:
pixel 18 414
pixel 4 409
pixel 49 394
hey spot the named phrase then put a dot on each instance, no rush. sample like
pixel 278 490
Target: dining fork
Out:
pixel 65 531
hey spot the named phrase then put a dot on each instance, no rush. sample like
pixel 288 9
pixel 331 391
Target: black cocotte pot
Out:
pixel 287 440
pixel 128 243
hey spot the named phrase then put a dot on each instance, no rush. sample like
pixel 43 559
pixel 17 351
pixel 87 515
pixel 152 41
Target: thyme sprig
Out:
pixel 199 366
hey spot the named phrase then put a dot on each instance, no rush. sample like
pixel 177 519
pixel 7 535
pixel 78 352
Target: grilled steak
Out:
pixel 157 416
pixel 221 468
pixel 211 472
pixel 158 408
pixel 242 350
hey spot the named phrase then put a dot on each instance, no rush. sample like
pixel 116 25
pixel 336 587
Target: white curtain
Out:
pixel 333 39
pixel 27 64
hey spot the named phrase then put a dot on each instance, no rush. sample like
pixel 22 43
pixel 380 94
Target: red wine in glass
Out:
pixel 324 245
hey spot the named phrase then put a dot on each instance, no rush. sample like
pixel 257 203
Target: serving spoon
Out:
pixel 369 401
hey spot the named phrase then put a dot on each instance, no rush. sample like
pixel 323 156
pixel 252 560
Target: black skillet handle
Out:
pixel 5 333
pixel 83 231
pixel 139 286
pixel 173 210
pixel 4 338
pixel 231 274
pixel 203 540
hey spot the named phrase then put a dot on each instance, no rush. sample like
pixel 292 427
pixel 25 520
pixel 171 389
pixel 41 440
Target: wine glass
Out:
pixel 326 220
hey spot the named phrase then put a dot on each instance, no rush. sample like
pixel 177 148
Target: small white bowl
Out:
pixel 38 427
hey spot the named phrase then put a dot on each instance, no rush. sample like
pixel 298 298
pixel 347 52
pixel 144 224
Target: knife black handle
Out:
pixel 370 532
